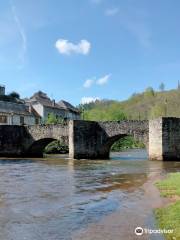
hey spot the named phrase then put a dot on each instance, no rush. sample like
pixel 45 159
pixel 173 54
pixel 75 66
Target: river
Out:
pixel 59 198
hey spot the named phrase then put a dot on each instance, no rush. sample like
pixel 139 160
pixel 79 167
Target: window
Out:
pixel 36 121
pixel 21 120
pixel 3 119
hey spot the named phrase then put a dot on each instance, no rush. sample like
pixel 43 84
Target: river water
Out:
pixel 59 198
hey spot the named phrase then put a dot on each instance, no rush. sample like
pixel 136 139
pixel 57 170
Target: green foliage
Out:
pixel 149 92
pixel 53 119
pixel 162 87
pixel 14 95
pixel 159 110
pixel 169 217
pixel 109 112
pixel 138 106
pixel 56 147
pixel 127 143
pixel 170 186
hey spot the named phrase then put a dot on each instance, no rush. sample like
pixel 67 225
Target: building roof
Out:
pixel 43 99
pixel 68 106
pixel 14 108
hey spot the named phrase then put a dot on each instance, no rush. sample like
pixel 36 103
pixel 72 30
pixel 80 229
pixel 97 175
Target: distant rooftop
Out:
pixel 43 99
pixel 10 107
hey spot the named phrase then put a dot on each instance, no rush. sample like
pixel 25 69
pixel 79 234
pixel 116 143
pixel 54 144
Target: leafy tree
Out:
pixel 178 85
pixel 149 92
pixel 56 147
pixel 14 95
pixel 105 112
pixel 162 87
pixel 53 119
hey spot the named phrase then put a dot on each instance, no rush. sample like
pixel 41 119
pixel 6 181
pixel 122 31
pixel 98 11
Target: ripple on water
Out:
pixel 52 198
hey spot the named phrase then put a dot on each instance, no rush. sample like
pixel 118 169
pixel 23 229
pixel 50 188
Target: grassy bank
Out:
pixel 169 217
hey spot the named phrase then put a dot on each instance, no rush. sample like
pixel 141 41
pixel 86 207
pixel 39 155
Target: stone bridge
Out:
pixel 93 140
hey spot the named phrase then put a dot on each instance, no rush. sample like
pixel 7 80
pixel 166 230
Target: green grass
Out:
pixel 169 217
pixel 170 186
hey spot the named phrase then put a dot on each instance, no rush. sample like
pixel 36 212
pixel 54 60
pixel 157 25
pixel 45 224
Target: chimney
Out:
pixel 30 108
pixel 2 90
pixel 53 103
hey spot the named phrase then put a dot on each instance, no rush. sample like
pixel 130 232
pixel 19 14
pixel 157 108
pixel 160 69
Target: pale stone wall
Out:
pixel 39 109
pixel 48 131
pixel 155 139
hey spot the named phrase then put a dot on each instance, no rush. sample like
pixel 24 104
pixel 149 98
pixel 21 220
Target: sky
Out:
pixel 81 50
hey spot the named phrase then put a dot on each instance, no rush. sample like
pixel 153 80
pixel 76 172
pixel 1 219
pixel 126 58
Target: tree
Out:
pixel 52 119
pixel 149 92
pixel 14 95
pixel 178 85
pixel 162 87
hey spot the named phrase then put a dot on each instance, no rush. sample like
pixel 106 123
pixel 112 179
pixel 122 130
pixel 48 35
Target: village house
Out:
pixel 15 113
pixel 44 106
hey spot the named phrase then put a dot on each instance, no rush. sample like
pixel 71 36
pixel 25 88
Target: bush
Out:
pixel 56 147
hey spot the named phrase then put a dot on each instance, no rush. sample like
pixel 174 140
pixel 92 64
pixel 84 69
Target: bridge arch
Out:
pixel 37 147
pixel 93 140
pixel 105 148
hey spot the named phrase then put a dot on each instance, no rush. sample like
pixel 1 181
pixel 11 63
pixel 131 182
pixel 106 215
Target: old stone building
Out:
pixel 16 113
pixel 44 106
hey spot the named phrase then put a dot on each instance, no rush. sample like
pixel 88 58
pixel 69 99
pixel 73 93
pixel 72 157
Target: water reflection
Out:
pixel 51 198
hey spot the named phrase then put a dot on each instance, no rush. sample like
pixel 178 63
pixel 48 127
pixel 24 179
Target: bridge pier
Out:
pixel 86 139
pixel 164 139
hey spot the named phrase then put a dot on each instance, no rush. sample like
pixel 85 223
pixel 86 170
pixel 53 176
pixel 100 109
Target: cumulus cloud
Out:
pixel 103 80
pixel 85 100
pixel 67 48
pixel 88 83
pixel 99 81
pixel 111 11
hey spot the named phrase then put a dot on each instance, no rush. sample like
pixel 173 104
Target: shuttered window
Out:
pixel 3 119
pixel 21 120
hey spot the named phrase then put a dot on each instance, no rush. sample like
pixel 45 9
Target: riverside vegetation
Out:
pixel 169 217
pixel 140 106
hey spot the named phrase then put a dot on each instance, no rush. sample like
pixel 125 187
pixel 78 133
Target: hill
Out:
pixel 146 105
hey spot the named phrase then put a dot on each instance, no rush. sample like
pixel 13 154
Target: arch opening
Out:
pixel 122 142
pixel 47 146
pixel 37 147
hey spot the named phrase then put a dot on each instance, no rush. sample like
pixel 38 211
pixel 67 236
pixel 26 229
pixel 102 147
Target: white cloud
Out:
pixel 99 81
pixel 88 83
pixel 111 11
pixel 85 100
pixel 67 48
pixel 103 80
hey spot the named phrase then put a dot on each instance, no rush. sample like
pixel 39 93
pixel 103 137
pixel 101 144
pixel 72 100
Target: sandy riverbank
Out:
pixel 121 224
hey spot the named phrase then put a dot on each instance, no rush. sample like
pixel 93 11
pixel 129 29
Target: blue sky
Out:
pixel 83 49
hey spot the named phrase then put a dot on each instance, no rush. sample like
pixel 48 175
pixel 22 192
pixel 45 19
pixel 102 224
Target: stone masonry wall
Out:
pixel 171 138
pixel 155 139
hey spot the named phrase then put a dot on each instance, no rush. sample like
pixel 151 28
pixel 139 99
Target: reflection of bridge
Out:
pixel 93 140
